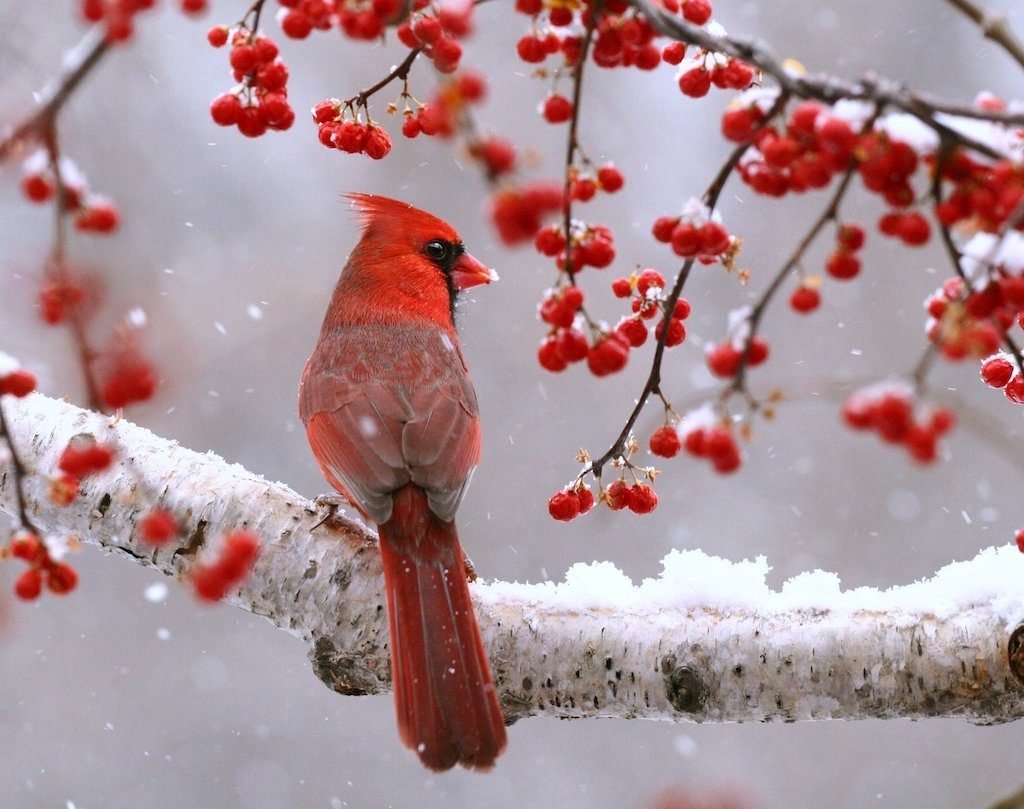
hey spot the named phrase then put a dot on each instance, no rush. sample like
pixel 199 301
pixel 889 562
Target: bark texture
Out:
pixel 552 654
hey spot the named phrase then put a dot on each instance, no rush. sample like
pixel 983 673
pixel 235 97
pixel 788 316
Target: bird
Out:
pixel 393 422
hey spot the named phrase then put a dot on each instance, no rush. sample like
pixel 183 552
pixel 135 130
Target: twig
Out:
pixel 18 470
pixel 993 26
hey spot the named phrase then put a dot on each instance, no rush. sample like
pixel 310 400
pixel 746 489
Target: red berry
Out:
pixel 607 356
pixel 995 372
pixel 36 187
pixel 427 30
pixel 296 25
pixel 244 58
pixel 758 351
pixel 158 527
pixel 18 383
pixel 377 143
pixel 805 299
pixel 633 330
pixel 643 499
pixel 695 442
pixel 697 11
pixel 1014 389
pixel 674 52
pixel 586 499
pixel 572 345
pixel 1019 539
pixel 557 109
pixel 842 265
pixel 914 229
pixel 617 496
pixel 29 584
pixel 665 442
pixel 610 178
pixel 225 109
pixel 738 124
pixel 713 239
pixel 621 287
pixel 685 240
pixel 564 506
pixel 664 227
pixel 217 36
pixel 28 548
pixel 648 279
pixel 549 356
pixel 61 578
pixel 695 82
pixel 850 236
pixel 676 332
pixel 723 360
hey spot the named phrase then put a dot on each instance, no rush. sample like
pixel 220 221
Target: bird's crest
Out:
pixel 391 215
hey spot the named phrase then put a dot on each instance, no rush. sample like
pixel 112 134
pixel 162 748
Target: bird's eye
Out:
pixel 437 250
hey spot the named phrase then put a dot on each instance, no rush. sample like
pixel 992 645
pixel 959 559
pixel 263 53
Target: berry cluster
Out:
pixel 712 69
pixel 639 498
pixel 888 409
pixel 843 263
pixel 338 131
pixel 724 360
pixel 60 578
pixel 82 457
pixel 117 16
pixel 984 194
pixel 646 293
pixel 571 502
pixel 586 182
pixel 237 556
pixel 1000 372
pixel 92 213
pixel 518 212
pixel 698 234
pixel 622 37
pixel 707 436
pixel 438 34
pixel 126 377
pixel 441 115
pixel 259 101
pixel 964 324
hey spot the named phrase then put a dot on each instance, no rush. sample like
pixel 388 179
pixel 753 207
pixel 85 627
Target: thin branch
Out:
pixel 83 58
pixel 993 26
pixel 935 648
pixel 18 473
pixel 401 71
pixel 653 384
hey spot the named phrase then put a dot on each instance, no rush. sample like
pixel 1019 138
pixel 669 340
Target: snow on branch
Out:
pixel 706 641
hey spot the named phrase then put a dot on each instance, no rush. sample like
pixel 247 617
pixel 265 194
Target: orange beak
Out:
pixel 468 272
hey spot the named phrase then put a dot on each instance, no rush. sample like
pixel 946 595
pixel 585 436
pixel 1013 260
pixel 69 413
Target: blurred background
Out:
pixel 128 694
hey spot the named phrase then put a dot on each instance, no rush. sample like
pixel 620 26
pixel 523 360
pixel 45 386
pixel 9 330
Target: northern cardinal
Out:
pixel 392 418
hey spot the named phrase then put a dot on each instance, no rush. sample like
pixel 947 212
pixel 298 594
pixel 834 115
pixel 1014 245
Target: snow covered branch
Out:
pixel 706 641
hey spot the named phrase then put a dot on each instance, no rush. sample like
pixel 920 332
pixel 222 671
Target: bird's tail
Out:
pixel 446 703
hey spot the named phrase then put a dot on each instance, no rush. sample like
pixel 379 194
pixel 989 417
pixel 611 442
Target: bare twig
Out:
pixel 993 26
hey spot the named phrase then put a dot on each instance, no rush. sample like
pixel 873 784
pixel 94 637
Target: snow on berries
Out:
pixel 259 100
pixel 705 434
pixel 697 233
pixel 726 359
pixel 91 213
pixel 889 409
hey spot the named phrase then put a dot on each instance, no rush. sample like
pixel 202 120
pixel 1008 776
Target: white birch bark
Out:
pixel 934 648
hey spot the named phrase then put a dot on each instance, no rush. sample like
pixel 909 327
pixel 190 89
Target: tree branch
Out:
pixel 708 641
pixel 993 26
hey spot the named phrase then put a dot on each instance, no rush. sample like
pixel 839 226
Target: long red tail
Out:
pixel 447 707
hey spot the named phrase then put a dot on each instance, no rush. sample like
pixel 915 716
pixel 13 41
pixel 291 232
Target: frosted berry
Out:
pixel 995 372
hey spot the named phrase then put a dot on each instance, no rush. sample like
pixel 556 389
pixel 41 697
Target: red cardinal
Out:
pixel 391 415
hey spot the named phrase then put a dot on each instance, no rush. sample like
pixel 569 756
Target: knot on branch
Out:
pixel 345 673
pixel 684 688
pixel 1015 654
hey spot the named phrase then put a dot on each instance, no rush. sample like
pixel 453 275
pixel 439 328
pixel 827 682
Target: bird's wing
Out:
pixel 387 407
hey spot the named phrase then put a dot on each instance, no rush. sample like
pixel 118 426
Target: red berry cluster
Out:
pixel 888 409
pixel 117 16
pixel 58 298
pixel 724 360
pixel 126 377
pixel 646 291
pixel 441 115
pixel 92 213
pixel 1000 371
pixel 60 578
pixel 518 212
pixel 566 342
pixel 984 194
pixel 808 153
pixel 587 182
pixel 706 437
pixel 966 324
pixel 570 503
pixel 714 69
pixel 639 498
pixel 843 263
pixel 696 234
pixel 260 100
pixel 910 227
pixel 622 38
pixel 438 34
pixel 81 458
pixel 337 131
pixel 158 527
pixel 237 556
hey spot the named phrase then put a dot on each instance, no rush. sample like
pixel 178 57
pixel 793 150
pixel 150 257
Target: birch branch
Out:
pixel 707 641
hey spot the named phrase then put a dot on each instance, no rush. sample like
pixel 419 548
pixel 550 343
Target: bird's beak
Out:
pixel 468 272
